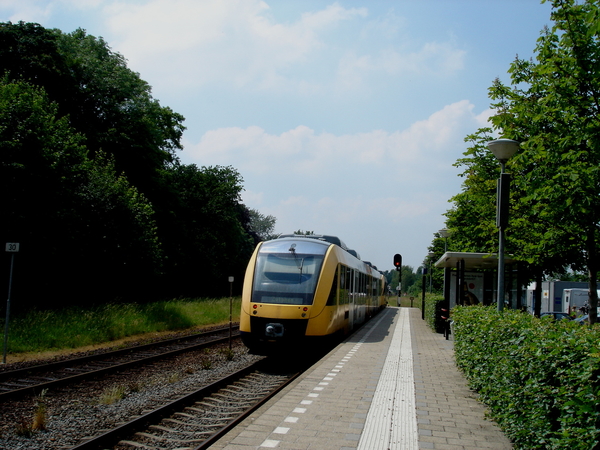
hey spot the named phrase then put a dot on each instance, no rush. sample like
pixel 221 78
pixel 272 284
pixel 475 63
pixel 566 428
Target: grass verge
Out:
pixel 47 330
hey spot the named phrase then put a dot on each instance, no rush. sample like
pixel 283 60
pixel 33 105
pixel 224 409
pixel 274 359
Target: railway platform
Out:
pixel 391 385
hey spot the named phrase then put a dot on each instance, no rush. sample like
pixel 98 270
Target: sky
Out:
pixel 342 117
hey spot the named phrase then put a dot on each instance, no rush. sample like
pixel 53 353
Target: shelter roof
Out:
pixel 472 260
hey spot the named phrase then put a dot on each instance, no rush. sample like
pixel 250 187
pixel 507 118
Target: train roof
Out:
pixel 321 237
pixel 327 238
pixel 324 238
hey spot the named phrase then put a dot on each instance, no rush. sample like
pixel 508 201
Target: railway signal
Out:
pixel 398 266
pixel 398 261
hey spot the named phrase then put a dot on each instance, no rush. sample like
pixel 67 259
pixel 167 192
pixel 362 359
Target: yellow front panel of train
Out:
pixel 279 311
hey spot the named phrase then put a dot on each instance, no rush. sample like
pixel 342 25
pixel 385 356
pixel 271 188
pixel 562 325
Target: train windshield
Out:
pixel 287 272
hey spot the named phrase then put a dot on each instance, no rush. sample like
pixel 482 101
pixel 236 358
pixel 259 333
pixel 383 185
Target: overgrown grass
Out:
pixel 45 330
pixel 25 427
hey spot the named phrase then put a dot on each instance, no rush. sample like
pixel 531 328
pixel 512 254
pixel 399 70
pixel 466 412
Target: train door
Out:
pixel 346 281
pixel 359 313
pixel 352 299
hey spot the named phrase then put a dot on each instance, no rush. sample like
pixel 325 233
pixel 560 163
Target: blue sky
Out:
pixel 343 117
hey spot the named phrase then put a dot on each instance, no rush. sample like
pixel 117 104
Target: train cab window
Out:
pixel 287 272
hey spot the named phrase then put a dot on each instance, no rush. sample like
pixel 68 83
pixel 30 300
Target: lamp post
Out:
pixel 444 232
pixel 503 150
pixel 431 255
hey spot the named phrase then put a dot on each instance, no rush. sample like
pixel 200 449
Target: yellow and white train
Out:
pixel 301 288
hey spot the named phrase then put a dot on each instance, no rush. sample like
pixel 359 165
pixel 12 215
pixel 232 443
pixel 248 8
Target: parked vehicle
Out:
pixel 556 315
pixel 574 300
pixel 583 320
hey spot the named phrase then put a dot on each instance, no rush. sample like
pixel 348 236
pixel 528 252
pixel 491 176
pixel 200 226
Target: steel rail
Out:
pixel 36 388
pixel 231 425
pixel 111 437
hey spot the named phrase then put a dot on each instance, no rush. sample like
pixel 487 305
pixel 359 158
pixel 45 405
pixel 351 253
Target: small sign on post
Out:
pixel 11 247
pixel 230 310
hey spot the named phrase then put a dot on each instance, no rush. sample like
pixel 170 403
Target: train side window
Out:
pixel 345 282
pixel 349 285
pixel 363 289
pixel 332 299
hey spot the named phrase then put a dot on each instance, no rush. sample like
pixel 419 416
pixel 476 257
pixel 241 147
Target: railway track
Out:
pixel 197 420
pixel 35 379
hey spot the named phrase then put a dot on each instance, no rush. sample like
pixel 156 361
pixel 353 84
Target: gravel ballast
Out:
pixel 85 410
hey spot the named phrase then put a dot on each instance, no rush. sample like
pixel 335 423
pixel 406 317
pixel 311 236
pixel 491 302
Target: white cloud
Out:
pixel 432 59
pixel 236 42
pixel 435 141
pixel 339 119
pixel 26 10
pixel 483 118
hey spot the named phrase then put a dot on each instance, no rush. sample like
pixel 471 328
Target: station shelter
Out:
pixel 472 279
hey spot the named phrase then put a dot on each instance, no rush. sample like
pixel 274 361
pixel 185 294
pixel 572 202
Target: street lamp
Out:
pixel 445 232
pixel 431 255
pixel 503 150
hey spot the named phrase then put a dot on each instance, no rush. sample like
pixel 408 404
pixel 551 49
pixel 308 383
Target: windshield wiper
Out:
pixel 301 265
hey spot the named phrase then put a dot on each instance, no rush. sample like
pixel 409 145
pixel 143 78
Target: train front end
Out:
pixel 279 292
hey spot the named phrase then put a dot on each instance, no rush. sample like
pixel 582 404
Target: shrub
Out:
pixel 540 378
pixel 433 316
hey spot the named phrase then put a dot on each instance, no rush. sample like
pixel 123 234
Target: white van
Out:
pixel 574 299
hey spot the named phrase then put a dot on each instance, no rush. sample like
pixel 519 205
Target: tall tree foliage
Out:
pixel 204 236
pixel 472 218
pixel 106 102
pixel 552 108
pixel 92 186
pixel 78 223
pixel 113 107
pixel 262 226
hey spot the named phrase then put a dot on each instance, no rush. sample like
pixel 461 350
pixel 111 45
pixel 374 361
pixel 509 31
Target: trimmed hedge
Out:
pixel 540 378
pixel 433 313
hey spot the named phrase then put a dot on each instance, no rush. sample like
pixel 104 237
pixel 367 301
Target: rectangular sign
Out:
pixel 12 246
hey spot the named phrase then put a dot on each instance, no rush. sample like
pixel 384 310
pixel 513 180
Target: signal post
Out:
pixel 398 266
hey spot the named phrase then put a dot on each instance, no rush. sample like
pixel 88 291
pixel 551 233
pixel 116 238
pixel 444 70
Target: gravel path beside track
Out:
pixel 77 412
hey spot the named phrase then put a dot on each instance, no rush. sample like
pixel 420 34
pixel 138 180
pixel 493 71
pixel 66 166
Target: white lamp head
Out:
pixel 503 149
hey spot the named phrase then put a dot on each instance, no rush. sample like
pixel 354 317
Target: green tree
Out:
pixel 115 110
pixel 409 278
pixel 436 251
pixel 106 101
pixel 304 233
pixel 263 226
pixel 29 52
pixel 115 193
pixel 472 218
pixel 63 208
pixel 553 109
pixel 204 235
